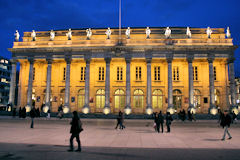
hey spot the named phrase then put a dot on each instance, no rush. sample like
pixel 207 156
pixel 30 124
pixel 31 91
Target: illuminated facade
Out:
pixel 157 71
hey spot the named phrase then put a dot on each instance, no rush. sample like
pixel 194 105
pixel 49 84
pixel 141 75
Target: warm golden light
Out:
pixel 45 109
pixel 66 109
pixel 106 110
pixel 171 110
pixel 193 110
pixel 28 108
pixel 235 110
pixel 213 111
pixel 127 111
pixel 149 111
pixel 85 110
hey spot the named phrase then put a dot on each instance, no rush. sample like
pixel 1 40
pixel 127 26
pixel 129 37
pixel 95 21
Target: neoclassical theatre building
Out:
pixel 132 68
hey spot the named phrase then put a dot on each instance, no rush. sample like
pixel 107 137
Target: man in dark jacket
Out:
pixel 160 121
pixel 76 128
pixel 225 123
pixel 169 120
pixel 32 115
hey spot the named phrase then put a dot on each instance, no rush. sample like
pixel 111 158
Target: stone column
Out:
pixel 48 89
pixel 67 83
pixel 128 83
pixel 107 83
pixel 149 83
pixel 190 80
pixel 87 79
pixel 12 83
pixel 170 88
pixel 30 81
pixel 211 82
pixel 232 81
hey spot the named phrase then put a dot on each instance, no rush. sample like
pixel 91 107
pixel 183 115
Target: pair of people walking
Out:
pixel 159 120
pixel 120 120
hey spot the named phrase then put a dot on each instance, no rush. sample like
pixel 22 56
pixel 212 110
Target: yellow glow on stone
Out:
pixel 85 110
pixel 213 111
pixel 149 111
pixel 65 109
pixel 106 110
pixel 128 111
pixel 28 108
pixel 235 110
pixel 45 109
pixel 171 110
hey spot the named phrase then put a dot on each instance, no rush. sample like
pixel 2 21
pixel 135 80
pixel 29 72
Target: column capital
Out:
pixel 148 60
pixel 210 59
pixel 49 60
pixel 169 57
pixel 68 59
pixel 230 60
pixel 13 61
pixel 190 58
pixel 107 59
pixel 87 60
pixel 128 59
pixel 31 60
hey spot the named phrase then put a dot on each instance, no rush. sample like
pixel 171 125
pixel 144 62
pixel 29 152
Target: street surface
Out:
pixel 49 140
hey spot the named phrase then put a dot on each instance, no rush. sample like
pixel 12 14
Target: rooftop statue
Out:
pixel 228 34
pixel 148 32
pixel 209 32
pixel 33 35
pixel 108 33
pixel 69 34
pixel 89 33
pixel 128 32
pixel 188 33
pixel 168 33
pixel 17 36
pixel 52 35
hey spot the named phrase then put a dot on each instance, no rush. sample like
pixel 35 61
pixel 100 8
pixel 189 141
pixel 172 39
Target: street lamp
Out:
pixel 149 110
pixel 106 110
pixel 171 110
pixel 85 110
pixel 213 110
pixel 127 110
pixel 28 108
pixel 66 109
pixel 45 109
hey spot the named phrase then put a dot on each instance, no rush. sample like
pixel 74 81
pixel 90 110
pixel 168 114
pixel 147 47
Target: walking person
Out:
pixel 76 128
pixel 32 115
pixel 20 112
pixel 225 123
pixel 169 120
pixel 118 120
pixel 121 120
pixel 160 121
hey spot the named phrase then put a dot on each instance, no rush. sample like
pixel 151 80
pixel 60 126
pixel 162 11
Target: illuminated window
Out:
pixel 83 73
pixel 217 97
pixel 176 73
pixel 177 98
pixel 119 73
pixel 64 73
pixel 119 98
pixel 195 73
pixel 157 99
pixel 33 73
pixel 81 98
pixel 100 98
pixel 101 73
pixel 62 96
pixel 215 73
pixel 138 98
pixel 196 98
pixel 157 73
pixel 138 73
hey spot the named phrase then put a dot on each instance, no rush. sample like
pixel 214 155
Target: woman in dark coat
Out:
pixel 168 121
pixel 76 128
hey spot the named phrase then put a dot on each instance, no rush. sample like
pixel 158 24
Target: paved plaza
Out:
pixel 49 140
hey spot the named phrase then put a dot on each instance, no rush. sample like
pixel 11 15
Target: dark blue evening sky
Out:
pixel 26 15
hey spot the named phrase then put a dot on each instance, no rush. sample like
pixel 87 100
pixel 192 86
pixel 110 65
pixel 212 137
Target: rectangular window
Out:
pixel 195 73
pixel 33 73
pixel 64 73
pixel 215 73
pixel 119 73
pixel 83 73
pixel 138 73
pixel 101 73
pixel 176 73
pixel 157 73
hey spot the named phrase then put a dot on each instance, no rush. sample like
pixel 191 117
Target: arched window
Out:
pixel 119 98
pixel 157 99
pixel 217 97
pixel 81 98
pixel 100 98
pixel 138 98
pixel 196 98
pixel 177 98
pixel 62 96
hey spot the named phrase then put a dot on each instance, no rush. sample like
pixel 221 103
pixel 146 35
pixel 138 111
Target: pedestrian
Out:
pixel 37 112
pixel 160 121
pixel 32 115
pixel 14 112
pixel 118 120
pixel 225 123
pixel 48 113
pixel 121 120
pixel 20 112
pixel 24 112
pixel 183 115
pixel 76 128
pixel 60 111
pixel 169 120
pixel 189 115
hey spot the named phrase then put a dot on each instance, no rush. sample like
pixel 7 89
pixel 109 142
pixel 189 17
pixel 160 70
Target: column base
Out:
pixel 149 110
pixel 66 108
pixel 28 108
pixel 106 109
pixel 46 108
pixel 212 109
pixel 127 109
pixel 86 109
pixel 170 109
